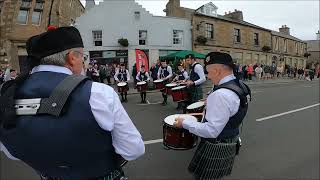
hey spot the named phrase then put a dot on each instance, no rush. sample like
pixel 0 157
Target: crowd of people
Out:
pixel 265 72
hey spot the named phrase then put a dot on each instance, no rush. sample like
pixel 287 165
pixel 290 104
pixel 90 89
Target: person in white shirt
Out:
pixel 143 76
pixel 181 77
pixel 226 108
pixel 164 73
pixel 93 129
pixel 122 75
pixel 258 71
pixel 196 79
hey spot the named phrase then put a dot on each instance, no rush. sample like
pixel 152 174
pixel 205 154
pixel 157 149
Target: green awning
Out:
pixel 182 55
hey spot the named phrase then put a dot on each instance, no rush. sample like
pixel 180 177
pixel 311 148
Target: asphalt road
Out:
pixel 283 147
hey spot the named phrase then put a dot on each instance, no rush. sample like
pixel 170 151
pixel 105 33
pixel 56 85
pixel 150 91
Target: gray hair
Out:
pixel 57 59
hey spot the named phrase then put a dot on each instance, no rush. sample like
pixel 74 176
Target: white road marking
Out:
pixel 288 112
pixel 153 141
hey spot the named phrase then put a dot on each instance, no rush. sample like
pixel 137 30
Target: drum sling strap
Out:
pixel 53 105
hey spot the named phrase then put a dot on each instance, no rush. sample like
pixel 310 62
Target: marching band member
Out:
pixel 182 77
pixel 143 76
pixel 165 73
pixel 122 75
pixel 197 78
pixel 90 128
pixel 226 108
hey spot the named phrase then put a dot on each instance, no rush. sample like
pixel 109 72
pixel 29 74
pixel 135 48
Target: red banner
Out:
pixel 141 59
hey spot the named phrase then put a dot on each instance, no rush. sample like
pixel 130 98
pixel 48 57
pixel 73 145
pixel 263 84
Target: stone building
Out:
pixel 245 42
pixel 313 48
pixel 21 19
pixel 103 25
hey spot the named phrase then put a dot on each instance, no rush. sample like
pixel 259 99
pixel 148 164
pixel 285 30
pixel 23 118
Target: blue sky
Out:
pixel 301 16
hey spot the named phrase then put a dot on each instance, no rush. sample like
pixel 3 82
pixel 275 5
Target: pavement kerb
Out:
pixel 208 87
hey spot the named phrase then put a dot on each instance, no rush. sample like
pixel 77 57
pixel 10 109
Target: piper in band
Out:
pixel 143 76
pixel 81 141
pixel 226 108
pixel 123 76
pixel 165 73
pixel 197 78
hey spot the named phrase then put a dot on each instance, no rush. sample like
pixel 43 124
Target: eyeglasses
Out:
pixel 85 56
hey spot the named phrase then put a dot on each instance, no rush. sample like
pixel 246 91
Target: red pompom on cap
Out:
pixel 51 27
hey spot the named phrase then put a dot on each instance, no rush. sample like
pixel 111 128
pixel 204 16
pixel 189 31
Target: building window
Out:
pixel 177 36
pixel 26 4
pixel 23 16
pixel 209 31
pixel 237 36
pixel 296 47
pixel 256 39
pixel 277 44
pixel 36 17
pixel 137 15
pixel 285 45
pixel 142 37
pixel 97 38
pixel 39 5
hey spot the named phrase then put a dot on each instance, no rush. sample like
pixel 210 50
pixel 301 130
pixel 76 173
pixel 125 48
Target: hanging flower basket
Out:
pixel 266 48
pixel 201 40
pixel 123 42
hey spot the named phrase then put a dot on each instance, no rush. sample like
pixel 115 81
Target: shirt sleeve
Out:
pixel 169 69
pixel 6 152
pixel 186 76
pixel 159 72
pixel 116 76
pixel 128 75
pixel 199 70
pixel 137 77
pixel 221 105
pixel 111 116
pixel 148 77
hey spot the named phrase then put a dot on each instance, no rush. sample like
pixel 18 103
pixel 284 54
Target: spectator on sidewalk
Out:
pixel 102 73
pixel 245 72
pixel 273 70
pixel 250 71
pixel 279 71
pixel 95 73
pixel 300 73
pixel 108 73
pixel 258 71
pixel 267 70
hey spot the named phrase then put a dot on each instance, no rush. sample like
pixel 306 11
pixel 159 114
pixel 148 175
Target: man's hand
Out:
pixel 178 122
pixel 190 83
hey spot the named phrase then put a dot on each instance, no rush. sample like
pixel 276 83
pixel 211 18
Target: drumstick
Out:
pixel 196 114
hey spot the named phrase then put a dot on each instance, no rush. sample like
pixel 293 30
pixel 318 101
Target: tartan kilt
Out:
pixel 213 160
pixel 195 93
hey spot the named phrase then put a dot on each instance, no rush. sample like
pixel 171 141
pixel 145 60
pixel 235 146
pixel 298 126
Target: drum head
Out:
pixel 158 80
pixel 196 105
pixel 172 85
pixel 171 119
pixel 141 83
pixel 179 87
pixel 122 84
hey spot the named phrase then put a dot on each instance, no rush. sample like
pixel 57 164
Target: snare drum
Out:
pixel 170 86
pixel 142 86
pixel 159 83
pixel 197 107
pixel 179 93
pixel 122 87
pixel 178 138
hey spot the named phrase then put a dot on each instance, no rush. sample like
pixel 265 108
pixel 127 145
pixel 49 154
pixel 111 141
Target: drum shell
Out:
pixel 178 139
pixel 142 87
pixel 122 89
pixel 196 110
pixel 179 94
pixel 169 91
pixel 159 85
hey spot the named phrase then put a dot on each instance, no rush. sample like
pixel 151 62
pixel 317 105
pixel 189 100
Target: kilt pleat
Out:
pixel 213 160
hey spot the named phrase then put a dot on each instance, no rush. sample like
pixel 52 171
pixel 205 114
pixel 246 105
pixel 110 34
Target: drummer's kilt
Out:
pixel 213 160
pixel 195 93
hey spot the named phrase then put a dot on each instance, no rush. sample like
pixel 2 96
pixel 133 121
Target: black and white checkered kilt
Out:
pixel 213 160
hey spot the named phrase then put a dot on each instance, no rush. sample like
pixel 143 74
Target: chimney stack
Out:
pixel 236 15
pixel 89 4
pixel 284 29
pixel 318 35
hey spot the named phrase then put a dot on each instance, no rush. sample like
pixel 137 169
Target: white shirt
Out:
pixel 138 76
pixel 221 105
pixel 169 69
pixel 117 73
pixel 199 70
pixel 185 75
pixel 110 116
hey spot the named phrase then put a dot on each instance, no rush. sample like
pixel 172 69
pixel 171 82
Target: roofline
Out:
pixel 297 39
pixel 172 17
pixel 82 4
pixel 255 26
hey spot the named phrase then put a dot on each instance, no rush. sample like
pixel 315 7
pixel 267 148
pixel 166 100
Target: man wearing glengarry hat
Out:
pixel 79 139
pixel 219 131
